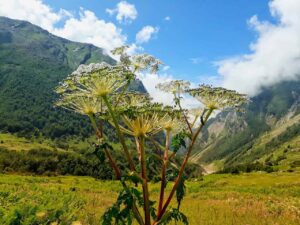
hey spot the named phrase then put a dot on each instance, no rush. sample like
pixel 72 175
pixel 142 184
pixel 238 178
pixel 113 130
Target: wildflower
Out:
pixel 135 100
pixel 173 125
pixel 142 125
pixel 137 63
pixel 96 79
pixel 196 112
pixel 82 104
pixel 144 62
pixel 217 97
pixel 174 86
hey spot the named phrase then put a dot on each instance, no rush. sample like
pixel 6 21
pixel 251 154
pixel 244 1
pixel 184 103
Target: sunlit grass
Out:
pixel 12 142
pixel 217 199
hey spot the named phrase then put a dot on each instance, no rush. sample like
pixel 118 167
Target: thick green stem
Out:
pixel 177 181
pixel 119 133
pixel 163 173
pixel 123 92
pixel 141 150
pixel 99 134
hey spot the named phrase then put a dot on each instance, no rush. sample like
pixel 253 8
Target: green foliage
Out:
pixel 178 141
pixel 44 209
pixel 32 63
pixel 237 143
pixel 121 213
pixel 288 134
pixel 247 168
pixel 259 198
pixel 180 191
pixel 48 162
pixel 173 215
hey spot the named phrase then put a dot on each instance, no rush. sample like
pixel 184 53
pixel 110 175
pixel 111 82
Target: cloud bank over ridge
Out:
pixel 275 55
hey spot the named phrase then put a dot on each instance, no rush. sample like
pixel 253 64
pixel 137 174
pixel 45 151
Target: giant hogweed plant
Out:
pixel 100 91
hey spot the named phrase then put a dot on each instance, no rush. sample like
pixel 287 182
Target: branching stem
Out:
pixel 99 134
pixel 119 133
pixel 178 178
pixel 141 150
pixel 163 173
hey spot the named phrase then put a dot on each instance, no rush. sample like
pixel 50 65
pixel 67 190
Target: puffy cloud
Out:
pixel 134 49
pixel 145 34
pixel 125 12
pixel 275 55
pixel 87 28
pixel 33 11
pixel 151 80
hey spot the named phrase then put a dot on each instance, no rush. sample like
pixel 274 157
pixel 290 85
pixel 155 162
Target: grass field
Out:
pixel 258 199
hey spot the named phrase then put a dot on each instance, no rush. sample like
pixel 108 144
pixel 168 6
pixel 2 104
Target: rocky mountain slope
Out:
pixel 268 132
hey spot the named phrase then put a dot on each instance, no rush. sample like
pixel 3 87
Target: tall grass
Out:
pixel 217 199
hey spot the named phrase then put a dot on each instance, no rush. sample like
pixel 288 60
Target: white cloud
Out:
pixel 167 18
pixel 145 34
pixel 87 28
pixel 33 11
pixel 151 80
pixel 125 12
pixel 134 49
pixel 165 68
pixel 275 54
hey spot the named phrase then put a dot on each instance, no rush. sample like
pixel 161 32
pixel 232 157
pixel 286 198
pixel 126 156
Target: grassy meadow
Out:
pixel 246 199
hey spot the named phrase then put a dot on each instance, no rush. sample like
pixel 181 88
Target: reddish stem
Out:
pixel 177 181
pixel 163 173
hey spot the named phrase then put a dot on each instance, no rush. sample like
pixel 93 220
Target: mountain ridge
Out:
pixel 32 63
pixel 232 139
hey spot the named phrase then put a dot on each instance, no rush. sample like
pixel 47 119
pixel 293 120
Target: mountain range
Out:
pixel 268 132
pixel 33 62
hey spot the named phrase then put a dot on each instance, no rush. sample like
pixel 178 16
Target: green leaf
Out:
pixel 178 141
pixel 173 215
pixel 180 191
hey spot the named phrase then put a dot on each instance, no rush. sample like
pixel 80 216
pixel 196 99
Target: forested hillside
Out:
pixel 32 63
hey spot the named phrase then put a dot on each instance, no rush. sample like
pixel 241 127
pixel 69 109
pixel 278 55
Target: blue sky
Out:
pixel 198 33
pixel 243 45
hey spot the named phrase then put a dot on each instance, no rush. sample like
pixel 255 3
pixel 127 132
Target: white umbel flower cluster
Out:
pixel 90 68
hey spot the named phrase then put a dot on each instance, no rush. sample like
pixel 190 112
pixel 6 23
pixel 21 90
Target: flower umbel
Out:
pixel 218 97
pixel 96 79
pixel 82 104
pixel 174 86
pixel 142 125
pixel 137 63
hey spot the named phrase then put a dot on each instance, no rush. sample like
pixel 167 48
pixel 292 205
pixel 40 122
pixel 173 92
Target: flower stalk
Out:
pixel 141 150
pixel 163 173
pixel 183 165
pixel 101 90
pixel 119 132
pixel 99 135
